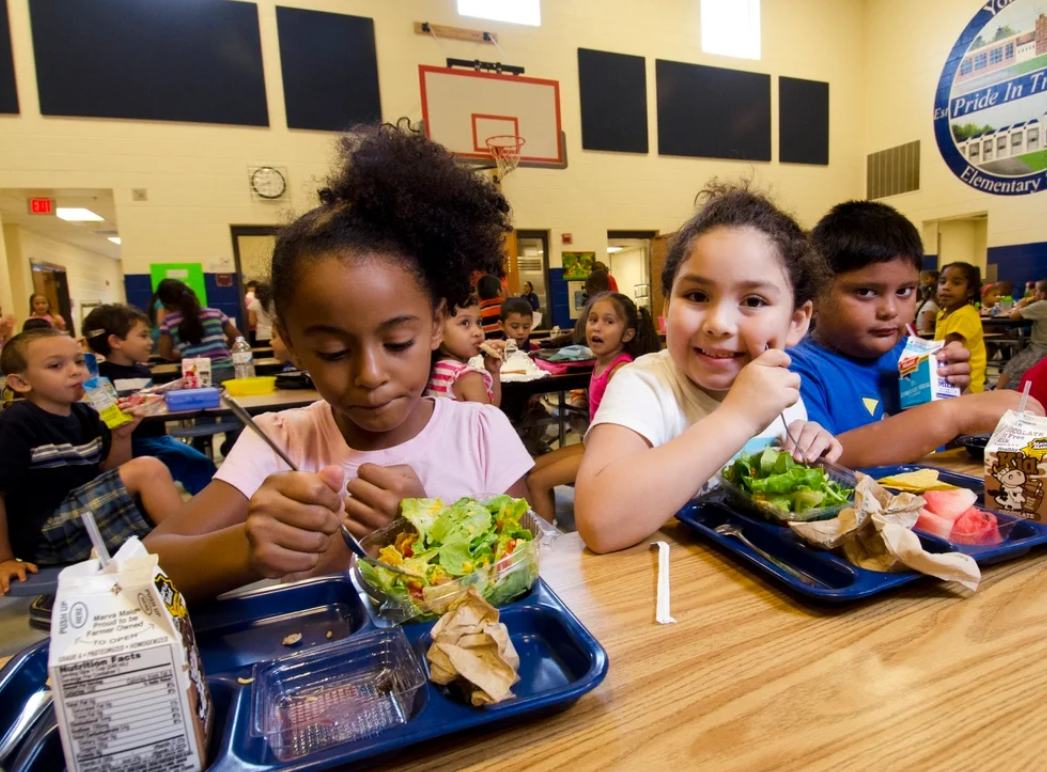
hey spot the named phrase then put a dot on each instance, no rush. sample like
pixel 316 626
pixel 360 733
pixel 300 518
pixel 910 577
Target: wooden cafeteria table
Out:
pixel 281 399
pixel 168 371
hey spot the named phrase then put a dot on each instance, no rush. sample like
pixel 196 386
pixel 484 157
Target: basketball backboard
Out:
pixel 461 108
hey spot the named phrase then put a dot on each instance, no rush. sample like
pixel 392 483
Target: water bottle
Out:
pixel 243 359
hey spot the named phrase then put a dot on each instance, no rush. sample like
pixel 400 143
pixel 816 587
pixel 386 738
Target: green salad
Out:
pixel 457 541
pixel 772 477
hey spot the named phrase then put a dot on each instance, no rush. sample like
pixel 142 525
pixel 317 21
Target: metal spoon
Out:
pixel 727 529
pixel 347 536
pixel 31 713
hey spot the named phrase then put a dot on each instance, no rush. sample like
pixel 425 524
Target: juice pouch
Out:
pixel 918 377
pixel 102 395
pixel 1015 467
pixel 129 689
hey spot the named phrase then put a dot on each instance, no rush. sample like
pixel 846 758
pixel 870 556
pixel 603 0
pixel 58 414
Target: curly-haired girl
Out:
pixel 361 286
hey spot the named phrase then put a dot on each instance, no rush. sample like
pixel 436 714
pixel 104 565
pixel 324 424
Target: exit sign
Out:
pixel 41 206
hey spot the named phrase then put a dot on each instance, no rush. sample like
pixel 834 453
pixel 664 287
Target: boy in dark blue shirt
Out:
pixel 849 362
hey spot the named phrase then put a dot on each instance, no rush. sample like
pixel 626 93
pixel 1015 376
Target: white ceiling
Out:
pixel 14 210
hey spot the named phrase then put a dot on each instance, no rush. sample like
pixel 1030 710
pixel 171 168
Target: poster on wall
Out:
pixel 990 109
pixel 191 273
pixel 577 265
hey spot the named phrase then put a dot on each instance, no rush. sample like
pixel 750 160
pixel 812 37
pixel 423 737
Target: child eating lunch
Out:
pixel 517 318
pixel 739 278
pixel 362 285
pixel 452 375
pixel 617 332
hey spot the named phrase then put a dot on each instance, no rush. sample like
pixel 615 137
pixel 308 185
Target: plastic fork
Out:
pixel 727 529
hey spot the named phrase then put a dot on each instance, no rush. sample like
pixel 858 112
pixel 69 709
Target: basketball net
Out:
pixel 505 150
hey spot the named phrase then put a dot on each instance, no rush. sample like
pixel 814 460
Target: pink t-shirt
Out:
pixel 466 449
pixel 445 375
pixel 598 383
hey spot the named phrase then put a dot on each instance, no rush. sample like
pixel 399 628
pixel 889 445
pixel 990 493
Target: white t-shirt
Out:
pixel 658 402
pixel 263 322
pixel 1037 311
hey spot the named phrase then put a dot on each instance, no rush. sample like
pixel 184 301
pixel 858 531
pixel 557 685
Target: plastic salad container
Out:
pixel 500 579
pixel 744 500
pixel 335 694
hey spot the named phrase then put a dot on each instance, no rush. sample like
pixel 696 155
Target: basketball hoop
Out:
pixel 505 149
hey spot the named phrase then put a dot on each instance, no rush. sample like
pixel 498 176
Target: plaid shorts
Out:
pixel 64 539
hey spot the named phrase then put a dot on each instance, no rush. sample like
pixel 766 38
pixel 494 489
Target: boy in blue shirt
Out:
pixel 849 362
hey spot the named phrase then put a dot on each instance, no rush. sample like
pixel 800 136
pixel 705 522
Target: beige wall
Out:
pixel 906 45
pixel 962 241
pixel 196 175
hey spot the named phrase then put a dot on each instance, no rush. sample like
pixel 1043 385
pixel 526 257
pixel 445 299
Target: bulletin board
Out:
pixel 190 273
pixel 577 265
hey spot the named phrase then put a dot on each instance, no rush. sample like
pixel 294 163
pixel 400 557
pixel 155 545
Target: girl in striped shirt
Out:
pixel 452 375
pixel 191 331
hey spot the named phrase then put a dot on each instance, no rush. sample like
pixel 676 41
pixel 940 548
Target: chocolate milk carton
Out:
pixel 129 690
pixel 1015 467
pixel 918 380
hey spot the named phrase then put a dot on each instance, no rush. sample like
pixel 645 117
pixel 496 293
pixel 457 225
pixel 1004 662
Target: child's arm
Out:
pixel 120 449
pixel 627 490
pixel 909 436
pixel 812 442
pixel 471 388
pixel 231 333
pixel 9 566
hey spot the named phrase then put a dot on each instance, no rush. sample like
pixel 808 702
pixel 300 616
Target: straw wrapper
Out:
pixel 876 534
pixel 472 650
pixel 661 615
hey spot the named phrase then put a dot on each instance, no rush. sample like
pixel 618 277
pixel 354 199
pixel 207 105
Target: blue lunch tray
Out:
pixel 841 582
pixel 559 662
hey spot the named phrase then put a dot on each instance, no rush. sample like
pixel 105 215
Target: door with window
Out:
pixel 532 265
pixel 50 281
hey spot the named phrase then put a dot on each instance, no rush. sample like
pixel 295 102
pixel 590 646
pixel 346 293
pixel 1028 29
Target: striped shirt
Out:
pixel 446 373
pixel 213 345
pixel 491 318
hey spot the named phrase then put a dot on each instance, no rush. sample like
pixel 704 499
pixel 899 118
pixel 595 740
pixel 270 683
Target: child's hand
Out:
pixel 9 569
pixel 812 442
pixel 763 389
pixel 493 364
pixel 979 413
pixel 291 520
pixel 375 495
pixel 126 430
pixel 955 365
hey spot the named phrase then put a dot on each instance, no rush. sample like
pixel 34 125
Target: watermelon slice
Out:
pixel 928 522
pixel 950 504
pixel 976 526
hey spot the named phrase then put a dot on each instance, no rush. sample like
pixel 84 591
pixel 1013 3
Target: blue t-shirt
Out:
pixel 841 392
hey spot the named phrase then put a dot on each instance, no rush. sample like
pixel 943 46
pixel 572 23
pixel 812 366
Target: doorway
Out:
pixel 50 281
pixel 532 258
pixel 629 261
pixel 253 257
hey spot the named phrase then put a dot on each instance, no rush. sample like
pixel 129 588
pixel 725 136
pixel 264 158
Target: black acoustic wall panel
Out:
pixel 613 90
pixel 330 69
pixel 8 89
pixel 186 60
pixel 803 121
pixel 711 112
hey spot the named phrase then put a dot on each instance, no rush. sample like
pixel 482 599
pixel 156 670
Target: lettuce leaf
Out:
pixel 422 514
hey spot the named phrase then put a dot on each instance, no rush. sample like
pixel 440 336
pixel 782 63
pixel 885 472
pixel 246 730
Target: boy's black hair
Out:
pixel 736 206
pixel 36 324
pixel 645 341
pixel 405 198
pixel 855 234
pixel 110 319
pixel 12 358
pixel 489 287
pixel 973 277
pixel 520 306
pixel 179 296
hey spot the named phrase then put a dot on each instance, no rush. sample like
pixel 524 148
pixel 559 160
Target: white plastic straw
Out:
pixel 661 615
pixel 96 538
pixel 1025 397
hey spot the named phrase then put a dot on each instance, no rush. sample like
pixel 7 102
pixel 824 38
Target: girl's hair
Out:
pixel 489 287
pixel 399 196
pixel 645 341
pixel 736 206
pixel 470 301
pixel 178 295
pixel 39 295
pixel 971 274
pixel 528 284
pixel 264 294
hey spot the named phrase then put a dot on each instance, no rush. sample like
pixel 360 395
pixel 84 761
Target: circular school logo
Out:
pixel 990 110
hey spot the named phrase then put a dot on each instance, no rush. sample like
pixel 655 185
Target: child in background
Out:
pixel 452 375
pixel 190 331
pixel 990 297
pixel 617 333
pixel 58 460
pixel 958 321
pixel 40 308
pixel 1033 307
pixel 365 280
pixel 517 317
pixel 121 335
pixel 927 308
pixel 849 362
pixel 489 288
pixel 739 278
pixel 258 318
pixel 7 328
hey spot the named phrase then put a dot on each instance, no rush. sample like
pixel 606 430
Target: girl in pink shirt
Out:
pixel 617 332
pixel 361 284
pixel 452 375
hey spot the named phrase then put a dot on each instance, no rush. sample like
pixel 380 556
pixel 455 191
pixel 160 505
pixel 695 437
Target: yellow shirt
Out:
pixel 967 323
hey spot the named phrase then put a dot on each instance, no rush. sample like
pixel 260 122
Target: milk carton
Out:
pixel 1015 467
pixel 196 372
pixel 129 690
pixel 918 374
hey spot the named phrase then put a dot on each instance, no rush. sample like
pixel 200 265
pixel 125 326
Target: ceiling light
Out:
pixel 77 214
pixel 115 239
pixel 614 249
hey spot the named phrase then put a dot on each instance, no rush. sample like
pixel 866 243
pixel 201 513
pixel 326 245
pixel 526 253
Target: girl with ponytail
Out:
pixel 189 330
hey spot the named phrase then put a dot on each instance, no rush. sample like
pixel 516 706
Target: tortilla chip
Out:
pixel 916 482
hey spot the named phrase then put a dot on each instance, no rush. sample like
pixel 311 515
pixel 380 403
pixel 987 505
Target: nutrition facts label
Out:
pixel 126 713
